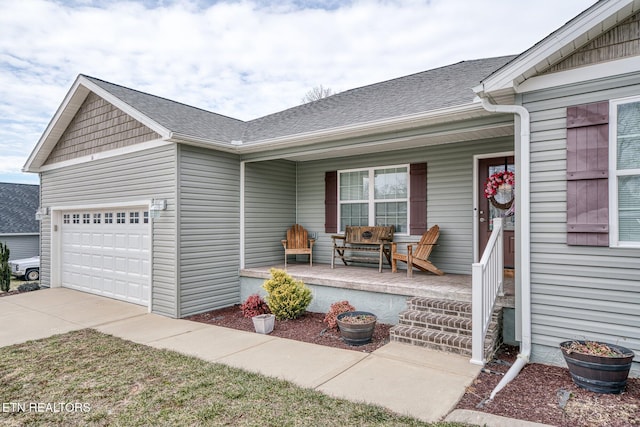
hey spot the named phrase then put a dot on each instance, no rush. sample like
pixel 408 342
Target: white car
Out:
pixel 28 268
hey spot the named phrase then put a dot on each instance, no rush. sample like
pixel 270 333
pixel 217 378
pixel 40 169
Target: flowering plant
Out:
pixel 496 180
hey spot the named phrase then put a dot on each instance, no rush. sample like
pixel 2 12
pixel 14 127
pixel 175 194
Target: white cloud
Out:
pixel 243 58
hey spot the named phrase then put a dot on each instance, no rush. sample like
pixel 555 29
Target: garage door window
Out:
pixel 121 218
pixel 97 218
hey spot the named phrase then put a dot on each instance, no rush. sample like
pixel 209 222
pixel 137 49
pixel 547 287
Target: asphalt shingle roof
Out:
pixel 18 206
pixel 439 88
pixel 175 116
pixel 417 93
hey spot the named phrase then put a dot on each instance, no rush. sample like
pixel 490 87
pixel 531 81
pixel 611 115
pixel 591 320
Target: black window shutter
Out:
pixel 331 202
pixel 587 174
pixel 418 199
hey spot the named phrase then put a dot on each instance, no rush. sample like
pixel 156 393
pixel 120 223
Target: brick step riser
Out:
pixel 450 344
pixel 463 330
pixel 440 307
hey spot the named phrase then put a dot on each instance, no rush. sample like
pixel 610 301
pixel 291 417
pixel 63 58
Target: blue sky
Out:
pixel 244 58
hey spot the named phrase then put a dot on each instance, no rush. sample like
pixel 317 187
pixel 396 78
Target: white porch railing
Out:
pixel 487 283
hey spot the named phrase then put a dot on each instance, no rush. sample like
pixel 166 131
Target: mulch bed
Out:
pixel 547 394
pixel 310 327
pixel 6 294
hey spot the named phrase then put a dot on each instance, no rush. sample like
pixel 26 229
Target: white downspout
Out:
pixel 242 216
pixel 523 204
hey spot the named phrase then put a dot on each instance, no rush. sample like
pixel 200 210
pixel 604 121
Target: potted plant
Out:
pixel 598 366
pixel 263 323
pixel 356 327
pixel 256 308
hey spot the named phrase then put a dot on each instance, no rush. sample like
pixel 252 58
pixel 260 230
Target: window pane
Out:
pixel 629 136
pixel 354 185
pixel 392 213
pixel 354 214
pixel 629 208
pixel 390 183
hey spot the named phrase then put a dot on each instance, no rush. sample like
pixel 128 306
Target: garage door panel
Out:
pixel 110 258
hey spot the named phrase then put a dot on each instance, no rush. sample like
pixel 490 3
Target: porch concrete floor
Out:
pixel 455 287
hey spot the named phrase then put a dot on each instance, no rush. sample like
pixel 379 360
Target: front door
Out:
pixel 488 210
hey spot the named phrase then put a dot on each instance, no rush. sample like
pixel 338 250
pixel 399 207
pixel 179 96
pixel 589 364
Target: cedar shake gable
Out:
pixel 98 126
pixel 622 41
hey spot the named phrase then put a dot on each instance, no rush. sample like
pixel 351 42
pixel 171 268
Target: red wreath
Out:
pixel 493 184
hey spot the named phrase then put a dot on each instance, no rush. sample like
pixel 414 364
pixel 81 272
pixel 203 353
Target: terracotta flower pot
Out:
pixel 356 327
pixel 598 373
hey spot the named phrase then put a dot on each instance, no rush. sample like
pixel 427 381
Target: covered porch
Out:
pixel 426 310
pixel 357 281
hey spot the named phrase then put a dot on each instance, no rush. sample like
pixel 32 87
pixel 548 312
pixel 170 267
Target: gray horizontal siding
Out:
pixel 22 246
pixel 142 175
pixel 270 209
pixel 449 195
pixel 578 292
pixel 209 229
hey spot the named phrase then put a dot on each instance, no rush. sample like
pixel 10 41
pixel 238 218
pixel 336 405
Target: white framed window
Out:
pixel 97 218
pixel 86 218
pixel 624 172
pixel 76 218
pixel 374 196
pixel 134 217
pixel 66 219
pixel 121 218
pixel 146 217
pixel 108 218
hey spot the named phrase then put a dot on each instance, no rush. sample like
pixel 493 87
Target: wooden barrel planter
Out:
pixel 600 374
pixel 356 327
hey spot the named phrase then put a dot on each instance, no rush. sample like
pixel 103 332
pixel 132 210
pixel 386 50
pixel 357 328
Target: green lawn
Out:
pixel 96 379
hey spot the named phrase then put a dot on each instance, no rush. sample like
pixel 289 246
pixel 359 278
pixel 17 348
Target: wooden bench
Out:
pixel 363 244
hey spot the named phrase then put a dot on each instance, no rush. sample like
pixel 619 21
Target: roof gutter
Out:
pixel 202 142
pixel 360 129
pixel 523 204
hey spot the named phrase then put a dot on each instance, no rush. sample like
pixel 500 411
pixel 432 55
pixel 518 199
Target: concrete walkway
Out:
pixel 409 380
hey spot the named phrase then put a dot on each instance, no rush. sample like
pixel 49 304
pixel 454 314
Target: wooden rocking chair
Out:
pixel 298 243
pixel 420 257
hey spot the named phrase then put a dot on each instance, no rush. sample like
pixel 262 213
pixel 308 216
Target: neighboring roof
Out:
pixel 18 206
pixel 430 90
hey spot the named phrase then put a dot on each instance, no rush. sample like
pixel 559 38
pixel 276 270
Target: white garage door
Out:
pixel 107 252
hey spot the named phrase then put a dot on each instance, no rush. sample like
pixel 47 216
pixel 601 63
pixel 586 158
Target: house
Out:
pixel 19 229
pixel 162 204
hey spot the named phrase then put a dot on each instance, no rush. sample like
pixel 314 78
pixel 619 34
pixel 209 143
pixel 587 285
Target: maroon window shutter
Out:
pixel 418 199
pixel 331 202
pixel 587 174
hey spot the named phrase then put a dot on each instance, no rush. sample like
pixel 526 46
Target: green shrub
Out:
pixel 5 269
pixel 28 287
pixel 287 298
